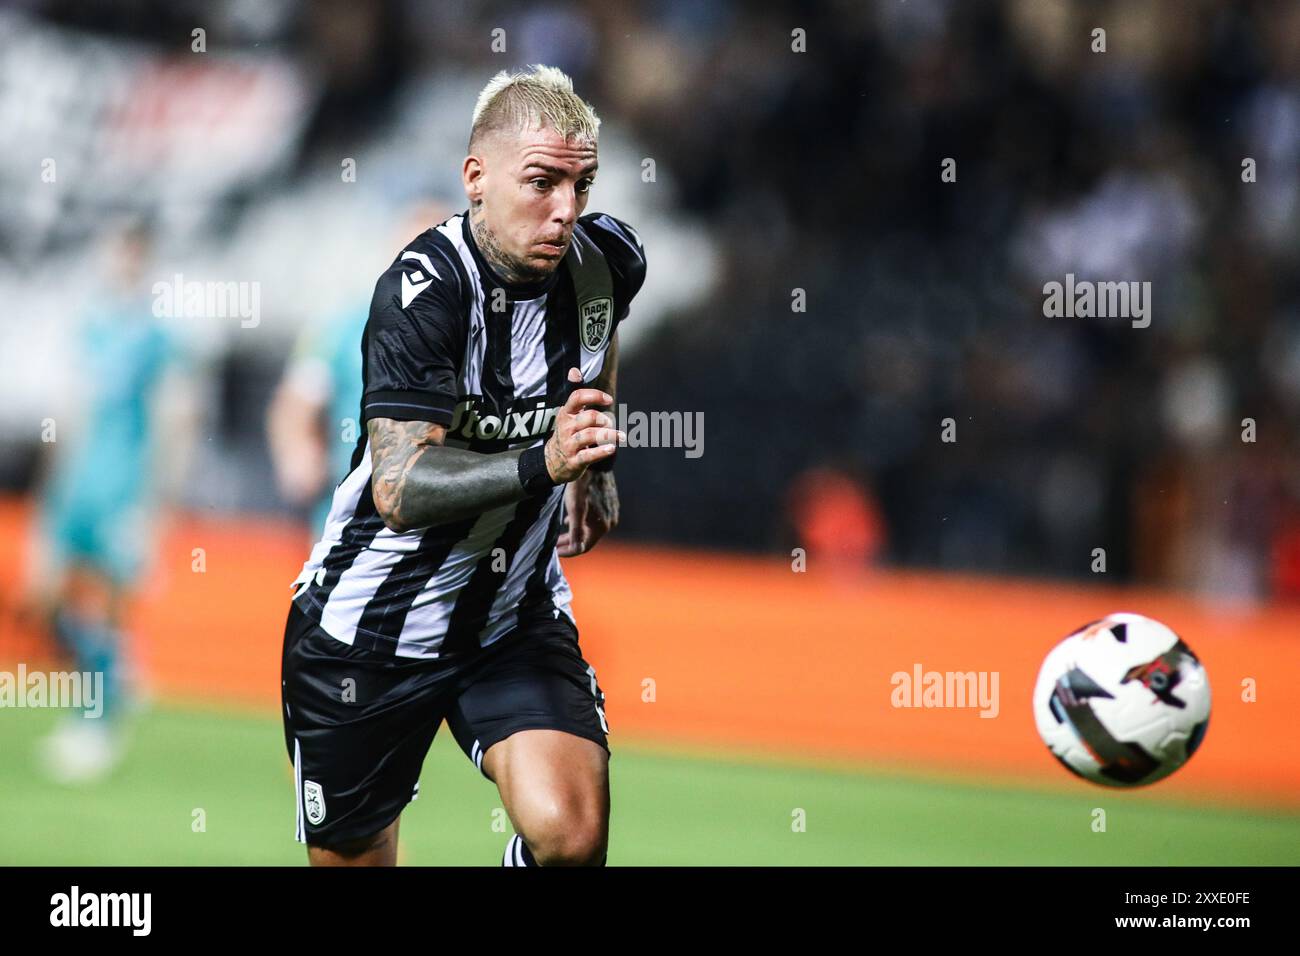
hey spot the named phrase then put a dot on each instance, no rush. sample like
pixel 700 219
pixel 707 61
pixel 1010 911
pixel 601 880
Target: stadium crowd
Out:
pixel 858 297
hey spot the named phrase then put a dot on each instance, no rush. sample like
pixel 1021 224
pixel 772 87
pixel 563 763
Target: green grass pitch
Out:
pixel 668 809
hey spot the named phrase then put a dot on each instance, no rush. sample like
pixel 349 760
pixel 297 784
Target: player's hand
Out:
pixel 591 506
pixel 302 476
pixel 583 435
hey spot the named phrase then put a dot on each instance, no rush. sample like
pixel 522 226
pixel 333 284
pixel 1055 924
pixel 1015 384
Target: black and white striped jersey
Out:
pixel 447 341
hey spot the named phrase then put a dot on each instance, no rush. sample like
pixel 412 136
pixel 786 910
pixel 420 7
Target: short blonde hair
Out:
pixel 540 96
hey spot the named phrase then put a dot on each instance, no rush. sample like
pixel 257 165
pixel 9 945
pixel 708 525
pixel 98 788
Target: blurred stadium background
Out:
pixel 290 156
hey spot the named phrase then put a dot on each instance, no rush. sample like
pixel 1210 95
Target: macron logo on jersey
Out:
pixel 413 283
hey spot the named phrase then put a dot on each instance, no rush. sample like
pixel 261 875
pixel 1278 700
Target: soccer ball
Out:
pixel 1122 701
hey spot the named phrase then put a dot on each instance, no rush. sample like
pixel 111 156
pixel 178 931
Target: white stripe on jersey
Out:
pixel 472 371
pixel 346 497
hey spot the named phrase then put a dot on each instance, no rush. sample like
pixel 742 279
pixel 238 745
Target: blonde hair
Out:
pixel 540 96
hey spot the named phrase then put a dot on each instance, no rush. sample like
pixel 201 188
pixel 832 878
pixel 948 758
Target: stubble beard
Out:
pixel 506 266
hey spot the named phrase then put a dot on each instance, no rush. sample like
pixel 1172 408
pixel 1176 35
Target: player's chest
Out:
pixel 528 349
pixel 515 376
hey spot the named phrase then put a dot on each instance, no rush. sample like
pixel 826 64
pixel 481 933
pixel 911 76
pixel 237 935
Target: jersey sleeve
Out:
pixel 624 253
pixel 414 343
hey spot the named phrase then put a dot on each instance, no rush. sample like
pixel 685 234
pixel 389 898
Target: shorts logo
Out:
pixel 594 320
pixel 313 798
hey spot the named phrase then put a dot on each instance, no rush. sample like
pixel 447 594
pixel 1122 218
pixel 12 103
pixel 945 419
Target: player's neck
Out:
pixel 492 254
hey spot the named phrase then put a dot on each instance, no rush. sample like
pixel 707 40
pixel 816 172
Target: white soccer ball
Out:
pixel 1122 701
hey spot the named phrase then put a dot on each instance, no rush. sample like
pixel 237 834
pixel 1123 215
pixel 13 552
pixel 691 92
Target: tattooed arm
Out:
pixel 591 501
pixel 417 481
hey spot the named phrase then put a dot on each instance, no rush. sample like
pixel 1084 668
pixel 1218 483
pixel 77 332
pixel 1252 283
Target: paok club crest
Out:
pixel 594 319
pixel 313 801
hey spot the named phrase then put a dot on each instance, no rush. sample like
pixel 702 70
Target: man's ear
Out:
pixel 471 174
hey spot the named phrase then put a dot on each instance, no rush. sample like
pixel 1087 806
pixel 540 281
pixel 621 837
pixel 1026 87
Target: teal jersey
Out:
pixel 99 485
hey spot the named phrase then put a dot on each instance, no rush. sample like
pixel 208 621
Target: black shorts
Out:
pixel 358 724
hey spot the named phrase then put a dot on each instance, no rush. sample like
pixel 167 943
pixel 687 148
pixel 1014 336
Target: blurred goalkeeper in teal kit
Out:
pixel 100 499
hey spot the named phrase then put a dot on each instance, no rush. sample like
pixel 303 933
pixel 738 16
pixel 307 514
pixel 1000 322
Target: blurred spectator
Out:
pixel 836 521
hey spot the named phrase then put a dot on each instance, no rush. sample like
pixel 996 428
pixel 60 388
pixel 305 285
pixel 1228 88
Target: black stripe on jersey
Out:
pixel 563 351
pixel 363 436
pixel 385 613
pixel 475 600
pixel 446 250
pixel 355 537
pixel 498 381
pixel 536 591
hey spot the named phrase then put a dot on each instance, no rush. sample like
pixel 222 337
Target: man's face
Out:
pixel 533 186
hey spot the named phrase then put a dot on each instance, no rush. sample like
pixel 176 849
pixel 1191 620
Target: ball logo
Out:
pixel 1122 702
pixel 313 799
pixel 594 318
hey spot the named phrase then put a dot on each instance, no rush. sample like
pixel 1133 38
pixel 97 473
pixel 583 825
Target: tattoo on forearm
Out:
pixel 417 482
pixel 602 496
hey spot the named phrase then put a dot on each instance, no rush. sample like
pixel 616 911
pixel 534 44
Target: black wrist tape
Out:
pixel 532 470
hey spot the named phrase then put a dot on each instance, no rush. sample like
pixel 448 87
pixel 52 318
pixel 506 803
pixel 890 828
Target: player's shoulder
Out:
pixel 613 236
pixel 622 248
pixel 426 273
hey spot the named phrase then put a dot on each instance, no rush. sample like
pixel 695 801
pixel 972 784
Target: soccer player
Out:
pixel 435 591
pixel 106 482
